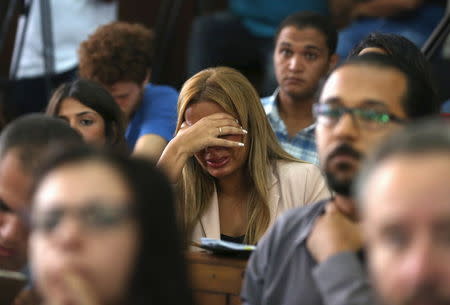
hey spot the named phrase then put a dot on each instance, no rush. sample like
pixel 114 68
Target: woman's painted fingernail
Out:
pixel 244 131
pixel 240 144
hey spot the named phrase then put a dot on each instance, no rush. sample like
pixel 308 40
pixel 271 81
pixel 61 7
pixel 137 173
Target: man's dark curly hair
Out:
pixel 116 52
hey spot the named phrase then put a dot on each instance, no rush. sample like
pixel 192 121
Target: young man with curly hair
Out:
pixel 119 56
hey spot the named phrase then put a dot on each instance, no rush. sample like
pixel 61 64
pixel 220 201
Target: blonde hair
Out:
pixel 231 90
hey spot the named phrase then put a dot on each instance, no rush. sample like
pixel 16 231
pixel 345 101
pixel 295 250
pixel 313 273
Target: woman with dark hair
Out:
pixel 92 111
pixel 103 232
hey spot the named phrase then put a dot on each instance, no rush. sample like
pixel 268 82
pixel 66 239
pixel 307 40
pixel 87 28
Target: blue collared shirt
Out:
pixel 303 144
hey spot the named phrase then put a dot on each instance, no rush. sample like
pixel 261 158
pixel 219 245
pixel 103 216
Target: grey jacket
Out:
pixel 282 271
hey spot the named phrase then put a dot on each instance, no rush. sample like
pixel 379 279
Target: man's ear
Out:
pixel 334 59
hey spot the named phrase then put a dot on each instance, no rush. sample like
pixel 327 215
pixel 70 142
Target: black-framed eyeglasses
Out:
pixel 94 217
pixel 368 118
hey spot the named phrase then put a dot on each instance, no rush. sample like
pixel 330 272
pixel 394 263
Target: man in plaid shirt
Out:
pixel 304 53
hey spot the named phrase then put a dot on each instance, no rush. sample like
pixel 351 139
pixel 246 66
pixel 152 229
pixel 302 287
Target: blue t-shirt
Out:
pixel 262 17
pixel 157 114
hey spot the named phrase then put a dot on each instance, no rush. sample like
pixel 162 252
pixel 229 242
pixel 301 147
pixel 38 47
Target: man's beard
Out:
pixel 341 185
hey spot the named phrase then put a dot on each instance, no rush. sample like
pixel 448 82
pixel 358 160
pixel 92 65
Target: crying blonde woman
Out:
pixel 233 178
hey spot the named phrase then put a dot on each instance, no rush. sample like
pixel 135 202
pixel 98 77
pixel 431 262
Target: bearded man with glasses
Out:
pixel 314 255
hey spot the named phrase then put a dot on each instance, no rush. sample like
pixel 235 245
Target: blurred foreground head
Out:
pixel 104 230
pixel 404 197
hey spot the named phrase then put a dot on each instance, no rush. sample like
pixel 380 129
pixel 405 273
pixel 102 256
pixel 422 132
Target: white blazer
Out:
pixel 291 184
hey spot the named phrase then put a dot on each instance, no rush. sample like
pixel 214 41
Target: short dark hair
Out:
pixel 418 139
pixel 34 135
pixel 117 52
pixel 417 101
pixel 160 268
pixel 404 51
pixel 307 19
pixel 94 96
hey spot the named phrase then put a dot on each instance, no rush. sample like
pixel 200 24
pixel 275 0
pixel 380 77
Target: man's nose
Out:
pixel 295 63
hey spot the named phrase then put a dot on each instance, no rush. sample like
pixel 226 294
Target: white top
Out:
pixel 72 22
pixel 292 184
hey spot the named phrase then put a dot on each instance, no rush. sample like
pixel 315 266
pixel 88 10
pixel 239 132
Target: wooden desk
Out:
pixel 216 280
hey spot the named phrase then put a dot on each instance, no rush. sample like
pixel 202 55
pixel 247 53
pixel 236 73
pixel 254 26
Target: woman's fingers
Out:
pixel 226 130
pixel 221 115
pixel 212 124
pixel 213 128
pixel 209 132
pixel 226 122
pixel 225 143
pixel 219 120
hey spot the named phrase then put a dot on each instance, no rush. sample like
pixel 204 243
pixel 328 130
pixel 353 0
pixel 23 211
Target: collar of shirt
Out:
pixel 270 104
